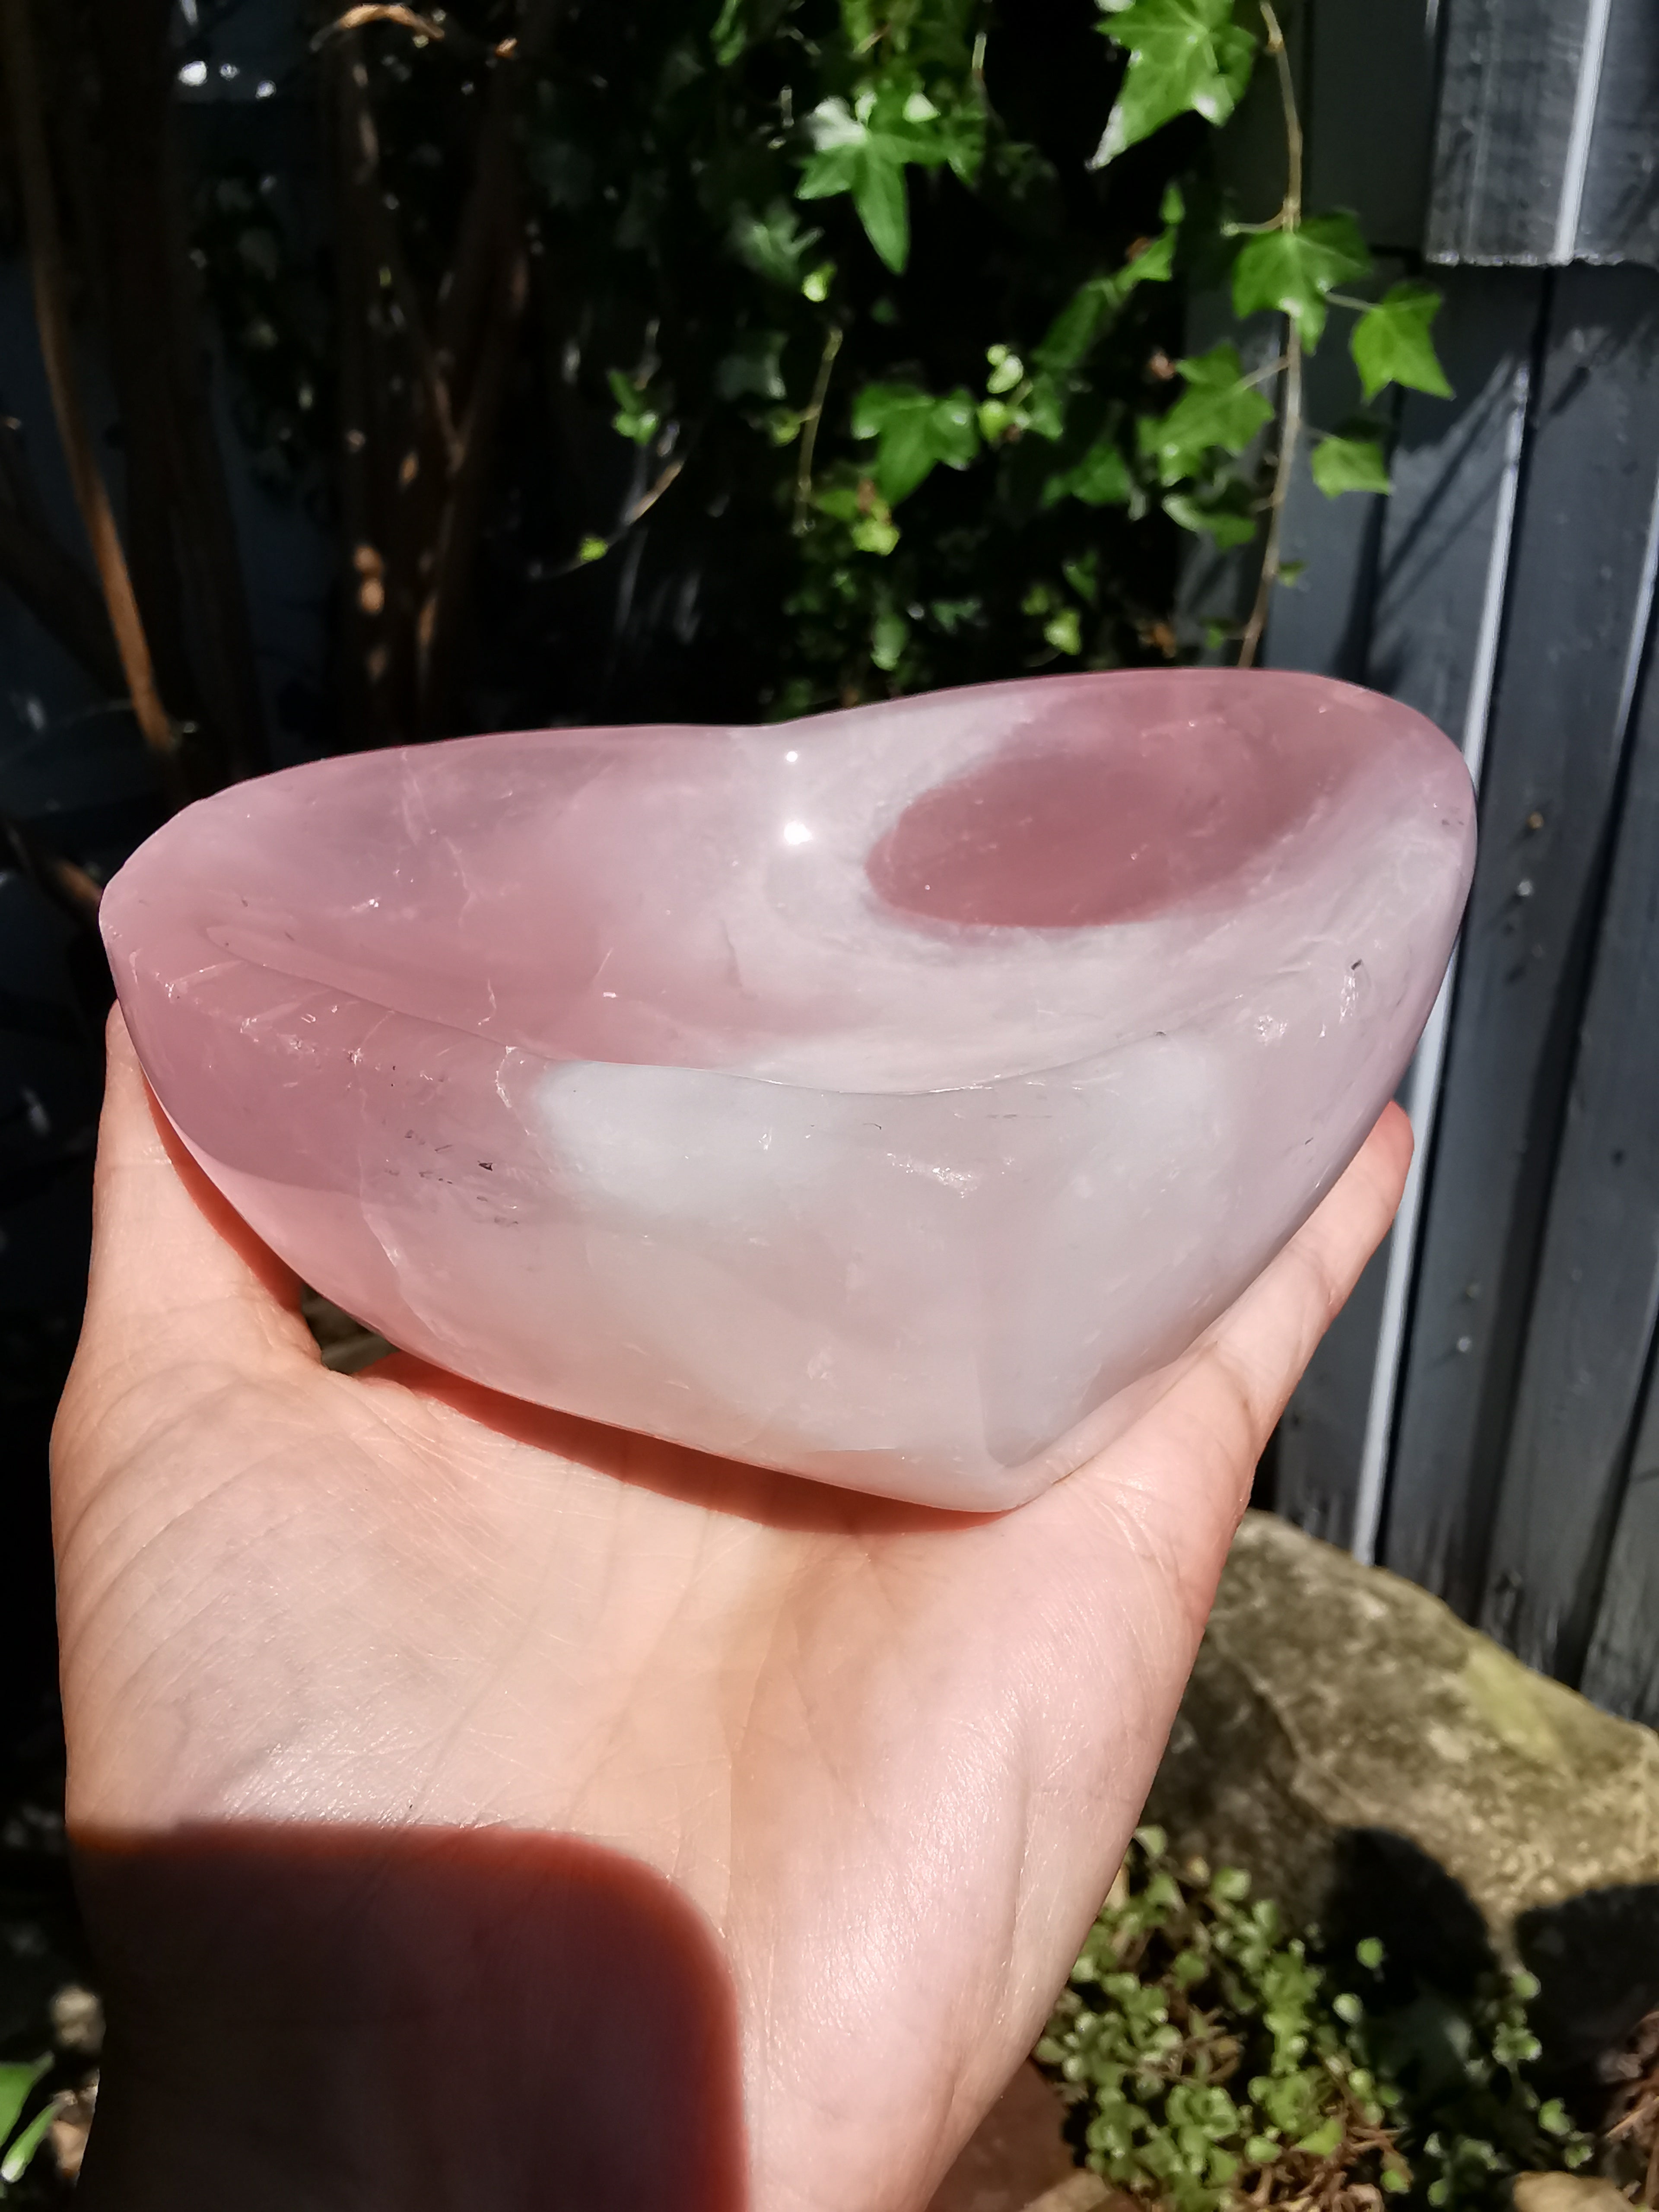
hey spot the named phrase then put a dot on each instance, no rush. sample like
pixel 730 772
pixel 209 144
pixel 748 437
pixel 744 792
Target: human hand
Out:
pixel 477 1807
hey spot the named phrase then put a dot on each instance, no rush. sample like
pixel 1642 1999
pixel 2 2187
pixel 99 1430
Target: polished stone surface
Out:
pixel 872 1097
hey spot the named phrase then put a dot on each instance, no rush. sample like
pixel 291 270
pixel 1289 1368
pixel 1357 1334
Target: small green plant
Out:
pixel 1476 2118
pixel 18 2145
pixel 1209 2062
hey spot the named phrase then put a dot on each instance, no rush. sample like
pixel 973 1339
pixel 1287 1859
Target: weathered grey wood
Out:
pixel 1432 598
pixel 1622 1670
pixel 1509 76
pixel 1443 554
pixel 1591 1327
pixel 1552 761
pixel 1321 1437
pixel 1370 101
pixel 1618 214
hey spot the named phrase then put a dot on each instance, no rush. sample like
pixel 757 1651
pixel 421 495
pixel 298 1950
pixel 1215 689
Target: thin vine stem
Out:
pixel 1290 432
pixel 1269 370
pixel 1290 408
pixel 809 429
pixel 1276 47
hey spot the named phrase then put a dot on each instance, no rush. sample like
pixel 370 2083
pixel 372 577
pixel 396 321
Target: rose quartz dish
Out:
pixel 872 1097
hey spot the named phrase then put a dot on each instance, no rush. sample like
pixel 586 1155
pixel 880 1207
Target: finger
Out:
pixel 1176 1483
pixel 1259 1349
pixel 175 1270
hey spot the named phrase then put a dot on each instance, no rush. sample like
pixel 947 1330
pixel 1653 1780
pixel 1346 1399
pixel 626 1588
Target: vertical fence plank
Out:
pixel 1452 467
pixel 1622 1670
pixel 1551 778
pixel 1427 637
pixel 1371 115
pixel 1619 213
pixel 1592 1321
pixel 1505 141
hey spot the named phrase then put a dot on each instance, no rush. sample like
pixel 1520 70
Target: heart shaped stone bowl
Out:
pixel 874 1097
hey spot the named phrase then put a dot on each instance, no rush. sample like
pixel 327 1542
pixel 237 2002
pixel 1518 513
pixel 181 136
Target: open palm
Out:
pixel 879 1763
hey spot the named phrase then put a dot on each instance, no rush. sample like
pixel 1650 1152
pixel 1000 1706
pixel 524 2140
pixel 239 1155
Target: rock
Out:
pixel 1380 1768
pixel 1567 2192
pixel 1081 2193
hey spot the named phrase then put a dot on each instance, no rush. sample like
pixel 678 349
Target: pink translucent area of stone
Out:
pixel 873 1097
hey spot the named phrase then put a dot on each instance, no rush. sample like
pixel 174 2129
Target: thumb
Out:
pixel 177 1275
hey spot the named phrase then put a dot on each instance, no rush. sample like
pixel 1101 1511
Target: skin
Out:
pixel 867 1769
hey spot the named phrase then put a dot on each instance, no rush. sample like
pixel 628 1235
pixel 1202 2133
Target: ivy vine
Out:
pixel 904 94
pixel 879 307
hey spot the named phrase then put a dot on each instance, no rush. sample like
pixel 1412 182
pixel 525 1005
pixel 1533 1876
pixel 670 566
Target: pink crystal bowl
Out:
pixel 872 1097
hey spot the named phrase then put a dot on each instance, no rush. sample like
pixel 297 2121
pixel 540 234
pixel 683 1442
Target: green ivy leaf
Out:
pixel 740 24
pixel 1081 321
pixel 1293 269
pixel 751 369
pixel 1228 521
pixel 1101 478
pixel 1097 302
pixel 1083 574
pixel 849 157
pixel 889 635
pixel 730 36
pixel 865 149
pixel 1217 409
pixel 634 419
pixel 914 431
pixel 1185 56
pixel 1391 343
pixel 884 209
pixel 1064 631
pixel 774 244
pixel 961 133
pixel 1007 370
pixel 1045 408
pixel 840 499
pixel 16 2081
pixel 20 2153
pixel 1342 465
pixel 954 614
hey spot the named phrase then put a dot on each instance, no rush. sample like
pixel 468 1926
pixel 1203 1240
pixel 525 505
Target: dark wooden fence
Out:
pixel 1485 1418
